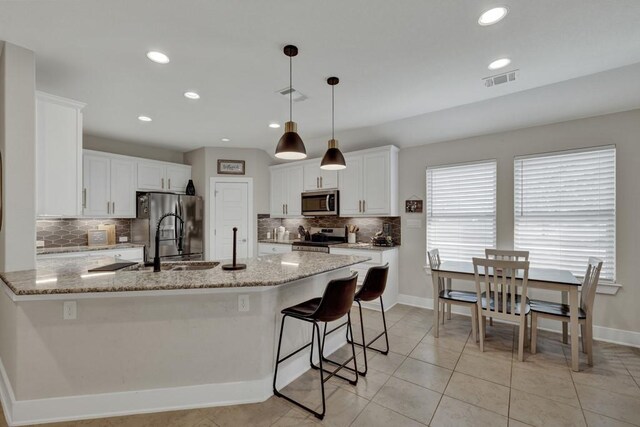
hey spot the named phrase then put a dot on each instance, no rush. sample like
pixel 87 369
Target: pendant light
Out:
pixel 290 146
pixel 333 158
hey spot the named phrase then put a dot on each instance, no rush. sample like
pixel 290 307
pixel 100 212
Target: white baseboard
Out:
pixel 71 408
pixel 600 333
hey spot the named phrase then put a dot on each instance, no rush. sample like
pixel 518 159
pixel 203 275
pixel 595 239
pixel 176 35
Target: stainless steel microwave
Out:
pixel 321 203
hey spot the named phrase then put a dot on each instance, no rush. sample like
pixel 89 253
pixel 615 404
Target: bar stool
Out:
pixel 334 304
pixel 372 288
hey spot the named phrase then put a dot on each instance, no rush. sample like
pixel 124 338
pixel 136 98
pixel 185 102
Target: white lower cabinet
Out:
pixel 378 257
pixel 124 254
pixel 109 186
pixel 273 248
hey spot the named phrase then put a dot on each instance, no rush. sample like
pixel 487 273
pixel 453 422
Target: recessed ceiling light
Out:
pixel 491 16
pixel 144 118
pixel 274 125
pixel 225 140
pixel 499 63
pixel 191 95
pixel 158 57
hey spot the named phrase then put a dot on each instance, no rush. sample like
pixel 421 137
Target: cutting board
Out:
pixel 111 233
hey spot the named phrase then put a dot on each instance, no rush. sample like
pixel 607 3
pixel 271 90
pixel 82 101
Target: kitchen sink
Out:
pixel 177 266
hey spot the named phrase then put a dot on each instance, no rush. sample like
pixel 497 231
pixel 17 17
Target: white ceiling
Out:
pixel 396 60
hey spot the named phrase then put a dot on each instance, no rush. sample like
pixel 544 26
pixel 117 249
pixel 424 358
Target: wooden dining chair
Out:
pixel 557 311
pixel 450 296
pixel 505 254
pixel 500 295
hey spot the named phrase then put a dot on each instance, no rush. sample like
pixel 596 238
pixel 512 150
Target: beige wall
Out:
pixel 622 129
pixel 17 145
pixel 204 165
pixel 99 143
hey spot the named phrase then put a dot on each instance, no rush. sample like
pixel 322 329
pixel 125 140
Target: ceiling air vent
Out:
pixel 502 78
pixel 296 95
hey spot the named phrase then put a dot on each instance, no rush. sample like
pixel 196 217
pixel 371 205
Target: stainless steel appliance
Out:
pixel 151 207
pixel 321 240
pixel 321 203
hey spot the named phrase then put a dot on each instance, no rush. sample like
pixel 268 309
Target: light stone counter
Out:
pixel 71 275
pixel 72 249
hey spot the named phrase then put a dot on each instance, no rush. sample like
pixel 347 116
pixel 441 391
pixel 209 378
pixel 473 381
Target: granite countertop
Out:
pixel 70 275
pixel 69 249
pixel 364 246
pixel 279 242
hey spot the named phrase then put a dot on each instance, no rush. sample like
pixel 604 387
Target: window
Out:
pixel 461 210
pixel 565 209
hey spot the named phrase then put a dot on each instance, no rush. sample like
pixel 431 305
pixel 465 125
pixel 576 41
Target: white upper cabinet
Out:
pixel 109 185
pixel 58 156
pixel 286 190
pixel 318 179
pixel 178 177
pixel 159 176
pixel 369 184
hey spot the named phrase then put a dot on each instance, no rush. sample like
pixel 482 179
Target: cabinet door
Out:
pixel 58 157
pixel 123 188
pixel 278 190
pixel 295 176
pixel 151 176
pixel 96 192
pixel 312 176
pixel 350 180
pixel 177 178
pixel 376 194
pixel 328 179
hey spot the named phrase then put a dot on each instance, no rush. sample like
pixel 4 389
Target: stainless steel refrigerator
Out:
pixel 151 207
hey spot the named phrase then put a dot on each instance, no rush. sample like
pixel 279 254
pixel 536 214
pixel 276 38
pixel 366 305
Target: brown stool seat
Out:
pixel 304 309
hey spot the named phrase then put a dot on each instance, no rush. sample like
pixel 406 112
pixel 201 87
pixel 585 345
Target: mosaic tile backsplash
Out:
pixel 368 226
pixel 73 232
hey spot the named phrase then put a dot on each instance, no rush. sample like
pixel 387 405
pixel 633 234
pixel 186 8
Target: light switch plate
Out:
pixel 123 239
pixel 243 302
pixel 39 243
pixel 70 310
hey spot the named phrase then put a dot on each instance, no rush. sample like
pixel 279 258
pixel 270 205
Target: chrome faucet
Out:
pixel 156 258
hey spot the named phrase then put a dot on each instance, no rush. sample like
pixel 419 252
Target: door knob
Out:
pixel 244 240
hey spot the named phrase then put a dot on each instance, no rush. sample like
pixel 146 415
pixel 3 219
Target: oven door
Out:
pixel 323 203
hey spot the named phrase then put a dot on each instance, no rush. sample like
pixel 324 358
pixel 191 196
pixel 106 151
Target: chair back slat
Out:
pixel 507 255
pixel 590 284
pixel 500 292
pixel 434 262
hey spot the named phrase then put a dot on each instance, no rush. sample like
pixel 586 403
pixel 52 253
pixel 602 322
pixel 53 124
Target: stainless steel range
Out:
pixel 321 239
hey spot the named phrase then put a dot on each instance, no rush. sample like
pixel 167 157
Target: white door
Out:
pixel 278 189
pixel 231 210
pixel 151 176
pixel 376 198
pixel 96 180
pixel 123 188
pixel 177 178
pixel 295 176
pixel 351 187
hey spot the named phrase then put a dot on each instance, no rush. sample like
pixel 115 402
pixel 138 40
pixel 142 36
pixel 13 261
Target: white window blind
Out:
pixel 565 209
pixel 461 210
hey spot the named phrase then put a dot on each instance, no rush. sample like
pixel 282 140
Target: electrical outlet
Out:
pixel 69 310
pixel 243 302
pixel 39 243
pixel 123 239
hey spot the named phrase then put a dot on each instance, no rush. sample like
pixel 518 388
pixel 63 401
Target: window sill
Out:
pixel 608 288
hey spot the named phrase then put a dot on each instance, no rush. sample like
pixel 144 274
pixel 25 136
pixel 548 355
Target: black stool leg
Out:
pixel 316 331
pixel 386 336
pixel 339 365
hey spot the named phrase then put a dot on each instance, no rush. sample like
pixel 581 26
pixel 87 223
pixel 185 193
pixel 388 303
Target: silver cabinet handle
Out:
pixel 321 185
pixel 108 208
pixel 169 183
pixel 113 207
pixel 162 182
pixel 84 198
pixel 359 205
pixel 364 209
pixel 244 240
pixel 286 209
pixel 317 182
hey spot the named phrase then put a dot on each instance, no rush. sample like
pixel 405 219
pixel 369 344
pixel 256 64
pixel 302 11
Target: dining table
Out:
pixel 539 278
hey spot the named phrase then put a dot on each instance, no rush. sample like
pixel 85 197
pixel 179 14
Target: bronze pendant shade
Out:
pixel 333 158
pixel 290 146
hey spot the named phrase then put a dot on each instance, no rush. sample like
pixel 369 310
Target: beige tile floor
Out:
pixel 445 381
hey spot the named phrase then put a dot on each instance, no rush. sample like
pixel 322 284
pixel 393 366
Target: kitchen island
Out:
pixel 144 341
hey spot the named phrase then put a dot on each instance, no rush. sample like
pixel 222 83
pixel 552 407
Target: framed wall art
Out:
pixel 231 167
